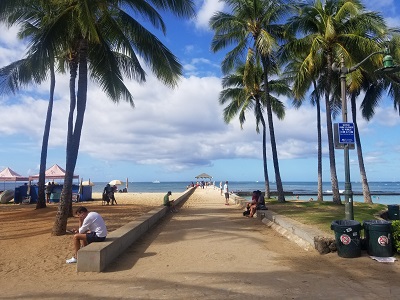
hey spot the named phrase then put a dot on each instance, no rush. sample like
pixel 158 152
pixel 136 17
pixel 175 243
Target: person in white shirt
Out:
pixel 226 192
pixel 92 228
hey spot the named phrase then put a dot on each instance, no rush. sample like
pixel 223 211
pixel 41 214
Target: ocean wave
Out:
pixel 330 191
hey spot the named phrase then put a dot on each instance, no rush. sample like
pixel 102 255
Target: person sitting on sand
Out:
pixel 92 228
pixel 169 203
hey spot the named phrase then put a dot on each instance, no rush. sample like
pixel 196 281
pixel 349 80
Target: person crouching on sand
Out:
pixel 92 228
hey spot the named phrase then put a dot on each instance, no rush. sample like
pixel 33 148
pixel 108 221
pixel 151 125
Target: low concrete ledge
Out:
pixel 239 201
pixel 97 256
pixel 301 234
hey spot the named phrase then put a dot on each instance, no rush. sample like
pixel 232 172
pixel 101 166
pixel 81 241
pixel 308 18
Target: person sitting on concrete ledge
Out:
pixel 261 201
pixel 92 228
pixel 169 203
pixel 253 204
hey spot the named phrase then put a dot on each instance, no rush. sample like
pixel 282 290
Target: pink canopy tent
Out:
pixel 54 172
pixel 9 175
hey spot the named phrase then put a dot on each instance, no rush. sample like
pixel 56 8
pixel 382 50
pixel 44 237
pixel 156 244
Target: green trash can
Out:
pixel 378 237
pixel 393 212
pixel 347 236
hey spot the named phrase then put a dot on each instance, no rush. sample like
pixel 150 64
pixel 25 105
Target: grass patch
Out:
pixel 321 214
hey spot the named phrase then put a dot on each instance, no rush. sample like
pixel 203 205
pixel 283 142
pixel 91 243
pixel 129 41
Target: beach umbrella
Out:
pixel 115 182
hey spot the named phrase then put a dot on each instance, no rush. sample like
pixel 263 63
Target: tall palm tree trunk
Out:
pixel 41 202
pixel 332 162
pixel 363 173
pixel 279 186
pixel 60 223
pixel 320 196
pixel 73 136
pixel 264 141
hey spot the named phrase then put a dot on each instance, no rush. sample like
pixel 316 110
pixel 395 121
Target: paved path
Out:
pixel 209 251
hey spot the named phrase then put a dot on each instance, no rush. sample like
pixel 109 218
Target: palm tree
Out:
pixel 103 40
pixel 244 89
pixel 34 68
pixel 374 85
pixel 332 28
pixel 301 86
pixel 252 24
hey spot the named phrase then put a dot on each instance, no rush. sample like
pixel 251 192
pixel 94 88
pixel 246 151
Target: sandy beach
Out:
pixel 205 251
pixel 27 247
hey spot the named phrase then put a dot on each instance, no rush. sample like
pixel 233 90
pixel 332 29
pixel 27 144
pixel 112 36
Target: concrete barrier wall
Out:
pixel 301 234
pixel 97 256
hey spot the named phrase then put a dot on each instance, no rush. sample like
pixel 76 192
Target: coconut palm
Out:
pixel 332 28
pixel 252 24
pixel 35 67
pixel 373 85
pixel 104 42
pixel 244 90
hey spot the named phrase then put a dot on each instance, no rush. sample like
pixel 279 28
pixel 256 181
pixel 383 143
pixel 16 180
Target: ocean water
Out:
pixel 382 192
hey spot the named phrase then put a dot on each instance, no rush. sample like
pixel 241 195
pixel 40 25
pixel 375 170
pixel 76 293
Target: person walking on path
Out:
pixel 92 228
pixel 220 187
pixel 226 192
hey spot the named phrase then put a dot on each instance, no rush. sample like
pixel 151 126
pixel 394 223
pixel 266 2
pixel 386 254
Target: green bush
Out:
pixel 396 235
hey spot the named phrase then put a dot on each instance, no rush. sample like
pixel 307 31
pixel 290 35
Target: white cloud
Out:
pixel 201 67
pixel 11 48
pixel 387 116
pixel 207 9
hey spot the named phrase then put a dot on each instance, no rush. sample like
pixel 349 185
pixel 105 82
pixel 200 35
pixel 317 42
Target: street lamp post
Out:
pixel 348 193
pixel 388 67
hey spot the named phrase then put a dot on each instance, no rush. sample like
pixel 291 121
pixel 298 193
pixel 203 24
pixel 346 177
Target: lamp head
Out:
pixel 388 61
pixel 388 65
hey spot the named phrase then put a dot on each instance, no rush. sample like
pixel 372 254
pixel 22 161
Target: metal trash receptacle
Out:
pixel 378 236
pixel 347 236
pixel 393 212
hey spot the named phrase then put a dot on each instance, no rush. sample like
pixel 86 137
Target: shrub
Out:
pixel 396 235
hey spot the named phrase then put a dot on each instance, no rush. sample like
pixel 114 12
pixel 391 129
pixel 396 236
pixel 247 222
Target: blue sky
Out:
pixel 174 135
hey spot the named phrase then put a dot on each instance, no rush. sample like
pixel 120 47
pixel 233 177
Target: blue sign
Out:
pixel 346 133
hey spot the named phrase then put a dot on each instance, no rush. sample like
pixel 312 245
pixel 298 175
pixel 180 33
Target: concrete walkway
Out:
pixel 210 251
